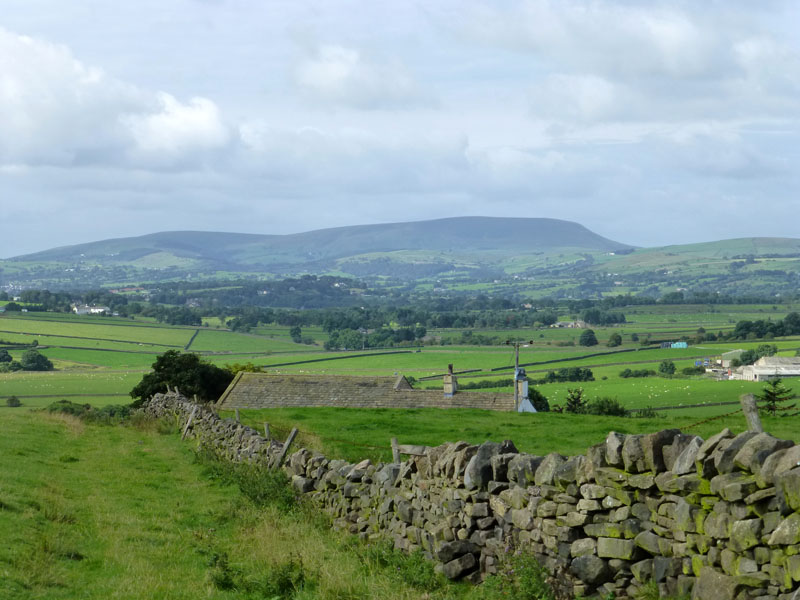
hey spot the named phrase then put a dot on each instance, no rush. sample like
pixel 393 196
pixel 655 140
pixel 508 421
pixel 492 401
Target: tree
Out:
pixel 5 356
pixel 575 402
pixel 191 375
pixel 34 361
pixel 13 401
pixel 773 394
pixel 667 367
pixel 588 338
pixel 296 334
pixel 614 341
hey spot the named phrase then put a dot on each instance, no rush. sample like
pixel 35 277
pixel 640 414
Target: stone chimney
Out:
pixel 450 382
pixel 522 384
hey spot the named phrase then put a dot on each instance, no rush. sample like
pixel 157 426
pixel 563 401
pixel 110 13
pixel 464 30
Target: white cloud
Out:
pixel 175 128
pixel 340 75
pixel 55 110
pixel 610 37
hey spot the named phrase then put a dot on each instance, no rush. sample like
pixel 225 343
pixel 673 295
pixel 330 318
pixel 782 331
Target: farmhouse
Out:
pixel 569 325
pixel 769 367
pixel 268 390
pixel 85 309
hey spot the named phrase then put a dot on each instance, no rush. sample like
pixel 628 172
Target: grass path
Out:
pixel 112 512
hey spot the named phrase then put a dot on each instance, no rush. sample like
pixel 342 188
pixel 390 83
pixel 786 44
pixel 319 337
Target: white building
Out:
pixel 85 309
pixel 769 367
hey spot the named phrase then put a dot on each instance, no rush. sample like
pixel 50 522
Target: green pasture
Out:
pixel 80 343
pixel 168 336
pixel 99 358
pixel 354 434
pixel 210 340
pixel 282 332
pixel 655 391
pixel 55 383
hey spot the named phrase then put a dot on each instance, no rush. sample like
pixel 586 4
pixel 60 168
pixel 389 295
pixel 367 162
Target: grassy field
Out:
pixel 103 512
pixel 211 340
pixel 92 329
pixel 354 434
pixel 105 358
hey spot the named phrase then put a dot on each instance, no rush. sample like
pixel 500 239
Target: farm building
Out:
pixel 569 325
pixel 268 390
pixel 85 309
pixel 769 367
pixel 674 345
pixel 727 357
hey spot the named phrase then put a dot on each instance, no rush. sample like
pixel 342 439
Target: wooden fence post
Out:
pixel 188 423
pixel 237 414
pixel 395 451
pixel 286 445
pixel 266 432
pixel 750 409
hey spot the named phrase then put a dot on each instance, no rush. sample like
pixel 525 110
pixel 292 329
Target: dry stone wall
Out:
pixel 718 519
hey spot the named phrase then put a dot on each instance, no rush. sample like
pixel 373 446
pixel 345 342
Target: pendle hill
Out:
pixel 451 253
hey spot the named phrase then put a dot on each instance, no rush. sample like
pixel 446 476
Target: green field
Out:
pixel 103 359
pixel 354 434
pixel 90 329
pixel 211 340
pixel 98 512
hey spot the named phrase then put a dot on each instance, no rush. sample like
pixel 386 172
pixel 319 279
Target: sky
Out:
pixel 651 123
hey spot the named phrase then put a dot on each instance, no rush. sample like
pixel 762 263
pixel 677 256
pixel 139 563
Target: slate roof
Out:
pixel 269 390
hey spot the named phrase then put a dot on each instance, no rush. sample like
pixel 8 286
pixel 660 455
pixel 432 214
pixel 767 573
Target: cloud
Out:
pixel 174 129
pixel 55 110
pixel 620 61
pixel 618 38
pixel 338 75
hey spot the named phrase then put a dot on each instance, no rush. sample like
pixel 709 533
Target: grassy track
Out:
pixel 106 512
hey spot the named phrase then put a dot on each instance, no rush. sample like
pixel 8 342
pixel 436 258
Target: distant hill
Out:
pixel 464 255
pixel 460 236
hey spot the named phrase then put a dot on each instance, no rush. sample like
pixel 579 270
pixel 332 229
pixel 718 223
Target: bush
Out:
pixel 626 373
pixel 648 413
pixel 540 403
pixel 666 368
pixel 575 403
pixel 567 374
pixel 588 338
pixel 13 401
pixel 693 371
pixel 34 361
pixel 107 415
pixel 606 406
pixel 65 407
pixel 486 384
